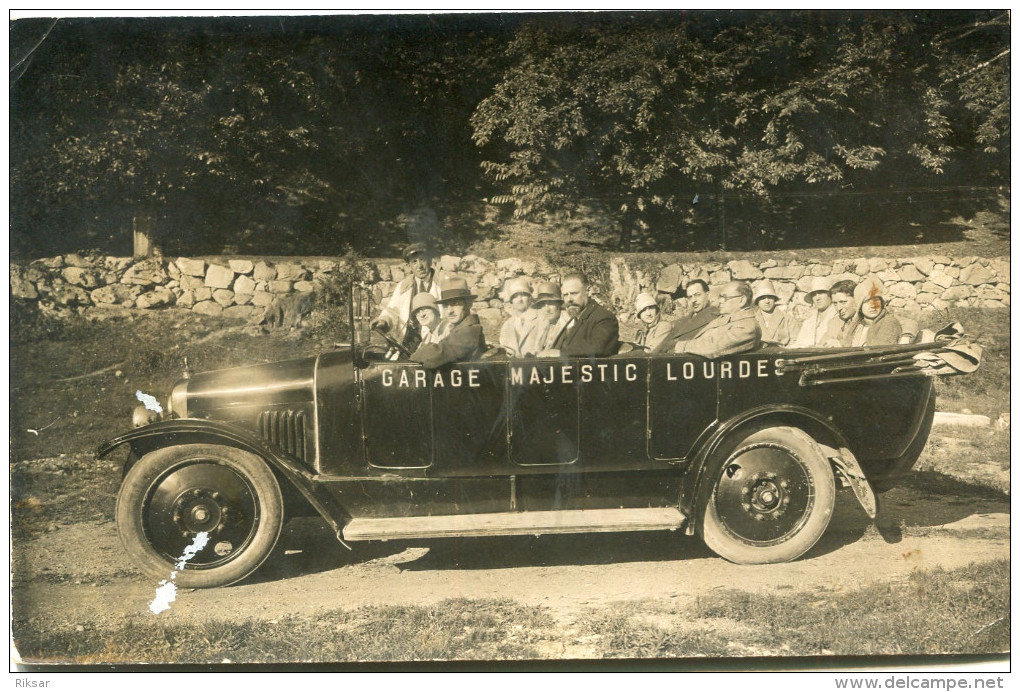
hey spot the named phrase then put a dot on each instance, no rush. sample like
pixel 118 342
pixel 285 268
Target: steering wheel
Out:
pixel 393 342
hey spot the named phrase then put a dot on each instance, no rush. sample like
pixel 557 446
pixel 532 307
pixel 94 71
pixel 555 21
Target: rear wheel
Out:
pixel 770 500
pixel 174 495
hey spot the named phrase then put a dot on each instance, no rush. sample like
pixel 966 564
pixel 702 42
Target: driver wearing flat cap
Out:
pixel 459 335
pixel 396 318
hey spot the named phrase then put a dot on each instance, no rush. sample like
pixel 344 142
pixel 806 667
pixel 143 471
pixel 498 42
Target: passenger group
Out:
pixel 563 320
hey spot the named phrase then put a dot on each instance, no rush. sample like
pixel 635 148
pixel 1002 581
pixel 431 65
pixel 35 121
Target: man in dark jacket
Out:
pixel 459 334
pixel 685 328
pixel 592 331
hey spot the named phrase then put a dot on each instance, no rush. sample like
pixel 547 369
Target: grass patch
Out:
pixel 985 391
pixel 934 612
pixel 963 611
pixel 66 490
pixel 456 629
pixel 976 456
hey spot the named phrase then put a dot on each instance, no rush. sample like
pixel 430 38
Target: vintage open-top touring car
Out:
pixel 744 450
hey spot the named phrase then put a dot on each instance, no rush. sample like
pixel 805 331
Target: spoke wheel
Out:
pixel 771 499
pixel 173 495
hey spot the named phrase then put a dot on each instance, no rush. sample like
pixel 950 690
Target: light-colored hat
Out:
pixel 818 285
pixel 871 287
pixel 547 292
pixel 764 289
pixel 455 288
pixel 643 302
pixel 517 285
pixel 423 300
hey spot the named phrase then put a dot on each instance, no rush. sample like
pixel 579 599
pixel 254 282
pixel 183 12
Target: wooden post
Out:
pixel 143 244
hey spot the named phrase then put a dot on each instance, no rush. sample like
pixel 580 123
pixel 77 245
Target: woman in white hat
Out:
pixel 815 328
pixel 653 328
pixel 521 321
pixel 425 310
pixel 876 326
pixel 775 328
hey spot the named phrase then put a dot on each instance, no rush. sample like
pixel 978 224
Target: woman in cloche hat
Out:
pixel 775 327
pixel 653 328
pixel 877 327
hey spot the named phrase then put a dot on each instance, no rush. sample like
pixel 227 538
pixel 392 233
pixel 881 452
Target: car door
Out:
pixel 397 414
pixel 544 413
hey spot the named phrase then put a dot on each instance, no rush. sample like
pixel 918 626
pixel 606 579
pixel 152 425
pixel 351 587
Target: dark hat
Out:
pixel 547 292
pixel 414 249
pixel 455 288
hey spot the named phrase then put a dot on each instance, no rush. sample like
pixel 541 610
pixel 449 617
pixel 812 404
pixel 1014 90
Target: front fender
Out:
pixel 194 430
pixel 694 489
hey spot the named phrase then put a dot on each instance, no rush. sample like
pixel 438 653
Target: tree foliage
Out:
pixel 640 114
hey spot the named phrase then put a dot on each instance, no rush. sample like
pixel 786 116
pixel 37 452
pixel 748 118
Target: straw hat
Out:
pixel 517 285
pixel 819 284
pixel 643 302
pixel 764 289
pixel 423 300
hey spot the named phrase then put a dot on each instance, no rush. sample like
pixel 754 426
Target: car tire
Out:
pixel 173 494
pixel 771 498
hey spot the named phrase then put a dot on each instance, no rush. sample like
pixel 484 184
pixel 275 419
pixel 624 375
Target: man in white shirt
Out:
pixel 816 327
pixel 396 317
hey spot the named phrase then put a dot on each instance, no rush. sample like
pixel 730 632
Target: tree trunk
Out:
pixel 145 244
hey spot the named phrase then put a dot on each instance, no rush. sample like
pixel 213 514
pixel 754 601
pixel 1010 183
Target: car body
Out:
pixel 744 450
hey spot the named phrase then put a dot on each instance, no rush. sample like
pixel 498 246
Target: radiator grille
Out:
pixel 285 429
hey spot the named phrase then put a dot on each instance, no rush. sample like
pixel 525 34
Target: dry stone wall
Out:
pixel 243 288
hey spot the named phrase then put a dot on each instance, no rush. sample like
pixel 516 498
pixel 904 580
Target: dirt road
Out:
pixel 77 575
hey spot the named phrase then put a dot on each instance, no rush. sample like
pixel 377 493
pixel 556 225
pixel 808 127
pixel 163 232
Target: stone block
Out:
pixel 218 277
pixel 241 266
pixel 742 269
pixel 788 273
pixel 75 260
pixel 157 298
pixel 669 279
pixel 186 299
pixel 976 274
pixel 203 293
pixel 70 296
pixel 264 272
pixel 925 265
pixel 243 298
pixel 290 272
pixel 146 273
pixel 191 283
pixel 720 277
pixel 956 293
pixel 280 287
pixel 208 307
pixel 223 296
pixel 77 276
pixel 820 270
pixel 383 270
pixel 909 272
pixel 926 298
pixel 304 286
pixel 21 288
pixel 244 284
pixel 52 262
pixel 940 279
pixel 877 264
pixel 902 289
pixel 261 298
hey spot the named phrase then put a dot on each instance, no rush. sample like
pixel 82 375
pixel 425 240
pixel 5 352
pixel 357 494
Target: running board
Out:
pixel 514 523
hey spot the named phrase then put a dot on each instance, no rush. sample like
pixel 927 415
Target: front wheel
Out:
pixel 770 500
pixel 173 495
